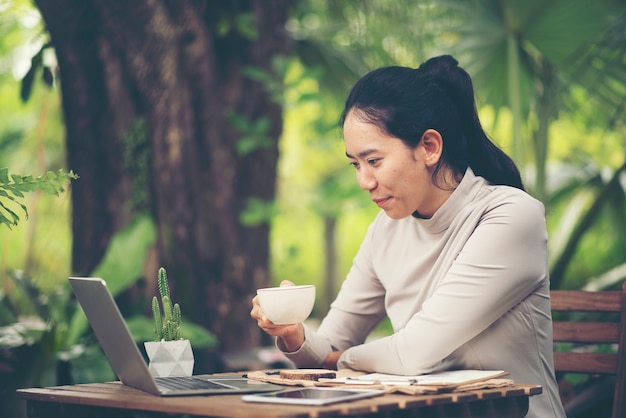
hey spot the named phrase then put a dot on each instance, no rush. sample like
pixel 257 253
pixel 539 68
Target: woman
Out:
pixel 457 258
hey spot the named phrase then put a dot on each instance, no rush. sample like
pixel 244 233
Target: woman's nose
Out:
pixel 366 180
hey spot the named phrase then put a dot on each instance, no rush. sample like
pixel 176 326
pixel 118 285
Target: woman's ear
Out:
pixel 432 145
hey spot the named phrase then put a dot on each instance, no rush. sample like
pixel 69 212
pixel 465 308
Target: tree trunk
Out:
pixel 181 67
pixel 330 268
pixel 91 147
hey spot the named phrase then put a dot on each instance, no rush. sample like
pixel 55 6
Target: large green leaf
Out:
pixel 124 260
pixel 559 28
pixel 588 217
pixel 142 329
pixel 607 280
pixel 482 30
pixel 600 68
pixel 121 267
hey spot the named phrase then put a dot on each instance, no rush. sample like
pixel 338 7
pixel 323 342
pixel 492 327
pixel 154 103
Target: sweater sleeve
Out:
pixel 501 262
pixel 358 308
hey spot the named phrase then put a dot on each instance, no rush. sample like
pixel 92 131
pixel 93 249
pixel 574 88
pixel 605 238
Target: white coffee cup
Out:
pixel 287 304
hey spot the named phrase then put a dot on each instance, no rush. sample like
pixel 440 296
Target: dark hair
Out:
pixel 439 95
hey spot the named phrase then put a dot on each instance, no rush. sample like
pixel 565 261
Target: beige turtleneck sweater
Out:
pixel 467 288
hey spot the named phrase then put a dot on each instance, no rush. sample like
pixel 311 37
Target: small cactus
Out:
pixel 166 323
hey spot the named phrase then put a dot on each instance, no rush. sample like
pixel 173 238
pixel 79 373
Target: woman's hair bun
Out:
pixel 437 66
pixel 444 71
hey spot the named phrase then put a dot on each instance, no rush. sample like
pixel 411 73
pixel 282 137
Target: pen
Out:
pixel 399 381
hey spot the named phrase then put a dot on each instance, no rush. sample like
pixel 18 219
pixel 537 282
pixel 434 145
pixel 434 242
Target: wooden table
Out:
pixel 113 399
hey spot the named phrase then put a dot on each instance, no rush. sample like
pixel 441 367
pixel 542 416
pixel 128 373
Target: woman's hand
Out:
pixel 291 335
pixel 332 358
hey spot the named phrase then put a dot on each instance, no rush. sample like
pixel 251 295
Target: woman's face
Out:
pixel 398 178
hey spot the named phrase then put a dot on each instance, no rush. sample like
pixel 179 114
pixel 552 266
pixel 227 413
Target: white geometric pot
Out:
pixel 170 358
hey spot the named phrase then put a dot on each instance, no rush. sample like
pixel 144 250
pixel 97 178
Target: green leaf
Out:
pixel 257 212
pixel 13 186
pixel 49 188
pixel 6 221
pixel 27 84
pixel 4 175
pixel 199 336
pixel 261 126
pixel 124 260
pixel 239 122
pixel 257 74
pixel 245 26
pixel 248 144
pixel 6 195
pixel 561 28
pixel 16 191
pixel 121 266
pixel 12 214
pixel 141 329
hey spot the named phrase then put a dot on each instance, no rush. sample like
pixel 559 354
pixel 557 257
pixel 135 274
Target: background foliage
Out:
pixel 337 41
pixel 551 84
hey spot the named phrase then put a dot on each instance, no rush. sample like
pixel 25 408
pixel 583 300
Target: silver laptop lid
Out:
pixel 112 332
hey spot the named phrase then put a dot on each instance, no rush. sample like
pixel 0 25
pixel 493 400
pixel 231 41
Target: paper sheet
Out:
pixel 451 377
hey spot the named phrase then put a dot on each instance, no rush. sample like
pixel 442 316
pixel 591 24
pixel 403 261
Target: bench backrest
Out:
pixel 596 332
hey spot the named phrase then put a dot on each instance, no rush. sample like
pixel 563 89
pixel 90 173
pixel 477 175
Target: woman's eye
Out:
pixel 354 164
pixel 373 161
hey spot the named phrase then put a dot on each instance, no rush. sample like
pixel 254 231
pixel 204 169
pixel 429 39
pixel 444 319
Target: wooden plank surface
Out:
pixel 588 332
pixel 576 300
pixel 121 397
pixel 572 362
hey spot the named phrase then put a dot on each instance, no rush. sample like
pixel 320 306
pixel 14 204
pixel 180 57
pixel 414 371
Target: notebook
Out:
pixel 127 361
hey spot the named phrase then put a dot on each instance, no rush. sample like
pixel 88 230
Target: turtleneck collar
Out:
pixel 462 195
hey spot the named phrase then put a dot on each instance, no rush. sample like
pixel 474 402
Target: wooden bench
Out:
pixel 585 334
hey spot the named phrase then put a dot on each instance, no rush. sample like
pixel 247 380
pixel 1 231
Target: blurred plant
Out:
pixel 45 338
pixel 13 187
pixel 34 349
pixel 37 64
pixel 592 198
pixel 54 327
pixel 122 266
pixel 528 56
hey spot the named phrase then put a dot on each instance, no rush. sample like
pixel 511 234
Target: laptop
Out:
pixel 127 361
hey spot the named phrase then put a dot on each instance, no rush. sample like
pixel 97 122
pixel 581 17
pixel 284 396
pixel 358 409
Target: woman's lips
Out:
pixel 381 202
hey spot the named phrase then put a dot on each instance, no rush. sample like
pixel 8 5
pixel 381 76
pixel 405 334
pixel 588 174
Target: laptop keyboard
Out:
pixel 189 383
